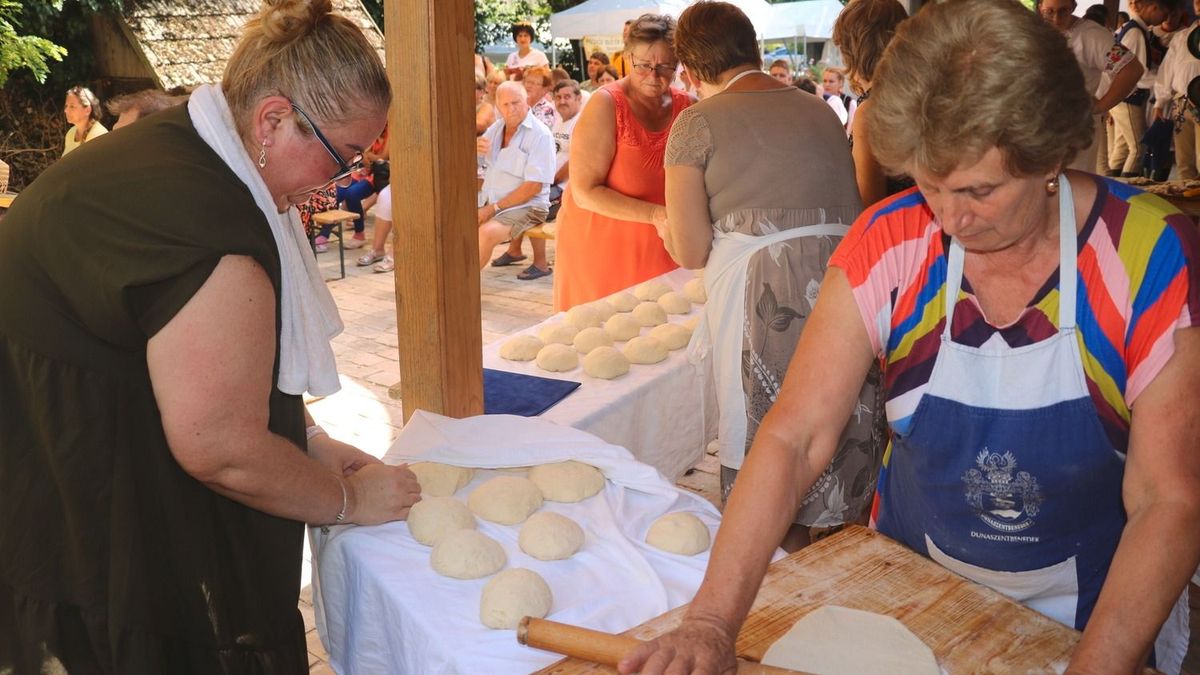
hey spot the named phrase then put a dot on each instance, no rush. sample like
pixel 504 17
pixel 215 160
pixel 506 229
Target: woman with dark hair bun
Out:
pixel 763 237
pixel 82 110
pixel 161 319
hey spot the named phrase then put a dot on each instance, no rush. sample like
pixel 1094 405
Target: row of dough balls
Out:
pixel 568 481
pixel 601 359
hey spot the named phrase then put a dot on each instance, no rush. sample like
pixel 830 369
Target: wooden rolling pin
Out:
pixel 603 648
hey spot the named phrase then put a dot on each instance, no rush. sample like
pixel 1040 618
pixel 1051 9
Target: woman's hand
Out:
pixel 700 644
pixel 379 493
pixel 341 458
pixel 658 218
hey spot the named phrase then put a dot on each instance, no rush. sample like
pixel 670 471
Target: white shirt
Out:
pixel 529 156
pixel 562 144
pixel 834 101
pixel 1097 53
pixel 1177 70
pixel 533 58
pixel 1135 41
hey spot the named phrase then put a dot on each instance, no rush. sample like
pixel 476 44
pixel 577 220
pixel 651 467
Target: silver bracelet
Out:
pixel 345 500
pixel 314 430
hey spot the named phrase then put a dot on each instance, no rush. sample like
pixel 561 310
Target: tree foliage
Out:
pixel 30 52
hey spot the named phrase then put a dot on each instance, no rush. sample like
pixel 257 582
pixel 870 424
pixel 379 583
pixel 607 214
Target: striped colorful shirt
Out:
pixel 1137 278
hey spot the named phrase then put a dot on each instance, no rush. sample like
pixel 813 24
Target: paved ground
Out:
pixel 364 413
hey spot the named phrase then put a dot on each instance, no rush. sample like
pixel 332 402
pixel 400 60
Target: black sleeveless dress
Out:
pixel 112 558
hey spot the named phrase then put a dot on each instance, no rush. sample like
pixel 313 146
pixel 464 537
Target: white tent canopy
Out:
pixel 815 16
pixel 608 17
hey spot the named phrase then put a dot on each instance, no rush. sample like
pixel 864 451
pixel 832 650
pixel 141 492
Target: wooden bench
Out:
pixel 338 218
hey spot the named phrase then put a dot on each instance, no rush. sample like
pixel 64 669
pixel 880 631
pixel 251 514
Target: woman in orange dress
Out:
pixel 608 236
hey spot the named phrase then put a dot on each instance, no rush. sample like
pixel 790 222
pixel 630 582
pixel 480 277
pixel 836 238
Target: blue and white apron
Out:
pixel 1006 475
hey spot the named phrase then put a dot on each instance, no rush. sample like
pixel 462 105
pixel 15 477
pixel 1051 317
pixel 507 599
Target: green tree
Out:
pixel 24 51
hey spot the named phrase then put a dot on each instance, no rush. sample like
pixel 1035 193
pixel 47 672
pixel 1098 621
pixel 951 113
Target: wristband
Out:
pixel 314 430
pixel 345 500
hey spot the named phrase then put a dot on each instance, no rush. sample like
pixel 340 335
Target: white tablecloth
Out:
pixel 382 609
pixel 665 413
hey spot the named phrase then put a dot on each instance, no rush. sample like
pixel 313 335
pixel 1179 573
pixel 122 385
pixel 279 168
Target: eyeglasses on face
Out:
pixel 344 169
pixel 664 70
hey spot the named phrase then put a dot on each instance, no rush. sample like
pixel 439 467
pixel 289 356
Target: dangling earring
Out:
pixel 262 155
pixel 1052 185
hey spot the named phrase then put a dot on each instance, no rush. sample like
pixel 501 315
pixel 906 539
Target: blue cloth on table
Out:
pixel 506 393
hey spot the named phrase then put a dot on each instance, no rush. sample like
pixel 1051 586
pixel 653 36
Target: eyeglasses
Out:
pixel 664 70
pixel 344 169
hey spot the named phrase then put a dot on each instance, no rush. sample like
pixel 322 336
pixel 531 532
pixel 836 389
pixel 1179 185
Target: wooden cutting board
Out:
pixel 970 628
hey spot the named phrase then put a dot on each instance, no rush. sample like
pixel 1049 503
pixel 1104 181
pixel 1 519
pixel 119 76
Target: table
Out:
pixel 970 628
pixel 380 608
pixel 664 414
pixel 6 199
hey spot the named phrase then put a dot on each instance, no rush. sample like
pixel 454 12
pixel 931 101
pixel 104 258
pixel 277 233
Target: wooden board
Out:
pixel 970 628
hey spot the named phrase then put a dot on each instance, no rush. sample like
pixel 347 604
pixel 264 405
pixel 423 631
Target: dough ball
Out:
pixel 467 554
pixel 672 335
pixel 512 595
pixel 568 481
pixel 603 308
pixel 590 338
pixel 605 363
pixel 583 316
pixel 550 536
pixel 507 500
pixel 645 350
pixel 623 301
pixel 521 348
pixel 681 533
pixel 651 290
pixel 622 327
pixel 558 333
pixel 674 303
pixel 557 358
pixel 691 323
pixel 649 314
pixel 694 290
pixel 440 480
pixel 433 518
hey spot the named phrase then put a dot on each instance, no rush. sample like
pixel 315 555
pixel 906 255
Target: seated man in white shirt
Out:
pixel 567 102
pixel 518 152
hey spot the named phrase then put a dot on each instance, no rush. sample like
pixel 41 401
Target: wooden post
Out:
pixel 1113 6
pixel 432 145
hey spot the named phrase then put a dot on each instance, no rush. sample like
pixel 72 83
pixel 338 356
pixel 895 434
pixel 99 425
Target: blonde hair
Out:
pixel 301 50
pixel 862 31
pixel 965 76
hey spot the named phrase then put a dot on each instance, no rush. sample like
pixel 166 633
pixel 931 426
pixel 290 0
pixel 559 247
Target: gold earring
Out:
pixel 262 154
pixel 1052 185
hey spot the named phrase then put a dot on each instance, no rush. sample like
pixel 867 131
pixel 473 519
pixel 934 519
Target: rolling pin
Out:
pixel 603 648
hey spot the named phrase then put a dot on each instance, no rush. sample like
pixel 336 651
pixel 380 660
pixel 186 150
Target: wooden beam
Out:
pixel 432 144
pixel 1113 6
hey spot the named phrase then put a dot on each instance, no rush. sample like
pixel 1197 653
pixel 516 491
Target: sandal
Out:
pixel 533 272
pixel 355 242
pixel 385 265
pixel 370 257
pixel 505 259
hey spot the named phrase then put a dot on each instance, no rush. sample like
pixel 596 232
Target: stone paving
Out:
pixel 366 414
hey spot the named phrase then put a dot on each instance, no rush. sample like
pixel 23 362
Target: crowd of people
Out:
pixel 926 312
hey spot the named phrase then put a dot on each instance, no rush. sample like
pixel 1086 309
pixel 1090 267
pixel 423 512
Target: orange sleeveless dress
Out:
pixel 595 255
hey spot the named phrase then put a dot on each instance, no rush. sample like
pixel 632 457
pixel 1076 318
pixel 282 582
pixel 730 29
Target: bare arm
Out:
pixel 210 368
pixel 1159 549
pixel 524 192
pixel 797 439
pixel 563 173
pixel 872 183
pixel 1123 84
pixel 689 224
pixel 593 147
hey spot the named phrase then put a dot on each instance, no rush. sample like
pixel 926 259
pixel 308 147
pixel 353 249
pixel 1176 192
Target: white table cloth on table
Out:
pixel 381 608
pixel 663 413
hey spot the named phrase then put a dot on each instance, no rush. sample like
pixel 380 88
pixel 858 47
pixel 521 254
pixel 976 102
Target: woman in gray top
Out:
pixel 760 190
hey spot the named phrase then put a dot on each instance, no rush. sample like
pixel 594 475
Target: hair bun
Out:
pixel 286 20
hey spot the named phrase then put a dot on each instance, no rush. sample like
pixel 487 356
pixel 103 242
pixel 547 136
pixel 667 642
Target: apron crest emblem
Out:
pixel 1004 498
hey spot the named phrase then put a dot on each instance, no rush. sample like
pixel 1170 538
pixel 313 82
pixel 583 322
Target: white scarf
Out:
pixel 309 316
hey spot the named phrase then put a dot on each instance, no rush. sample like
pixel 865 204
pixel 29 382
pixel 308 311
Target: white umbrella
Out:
pixel 816 16
pixel 608 17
